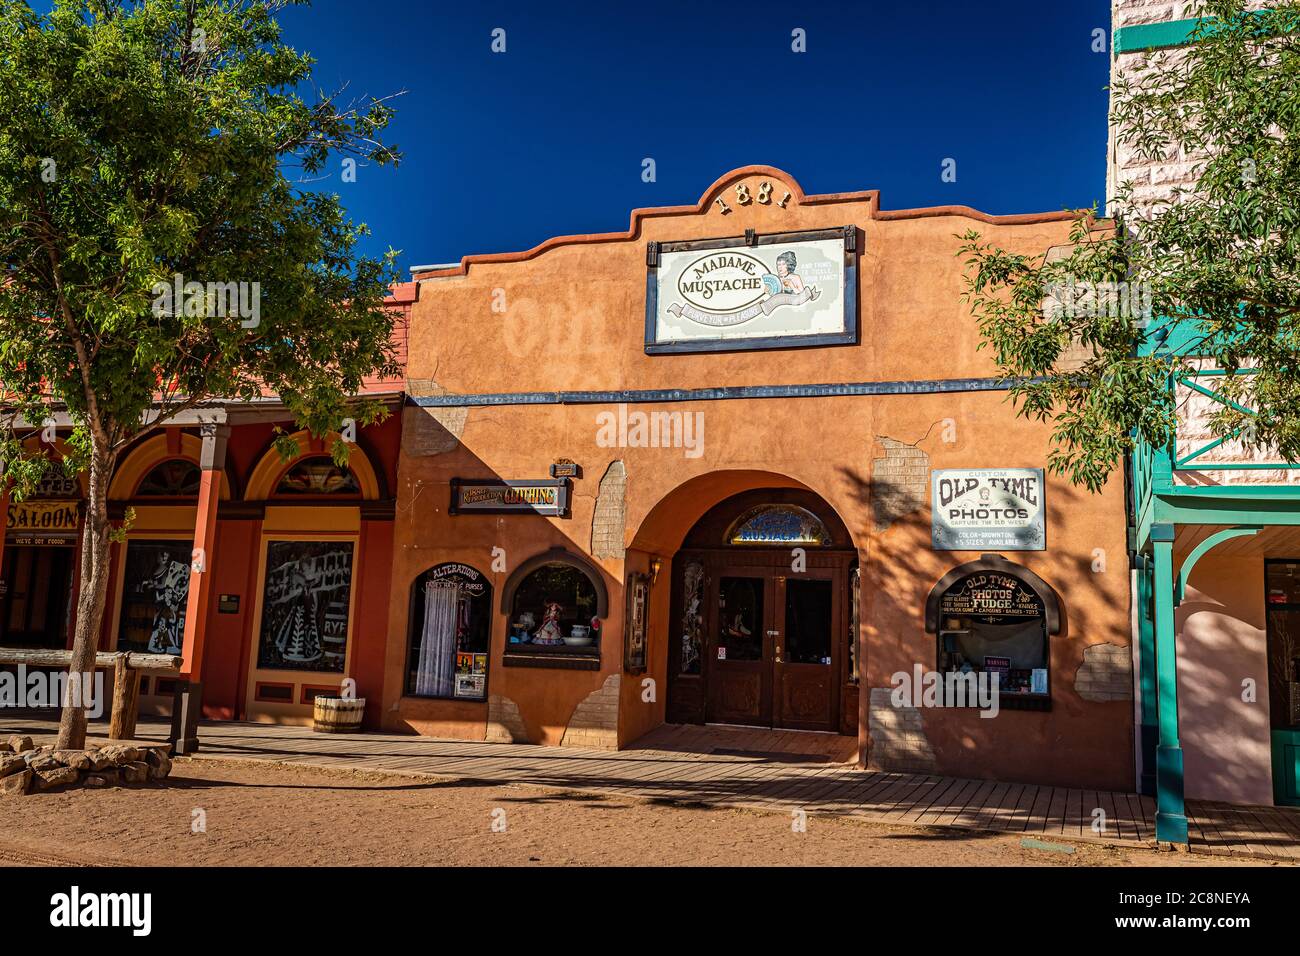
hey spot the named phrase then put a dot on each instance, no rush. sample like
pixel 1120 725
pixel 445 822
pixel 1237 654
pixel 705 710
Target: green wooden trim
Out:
pixel 1286 767
pixel 1185 572
pixel 1146 634
pixel 1152 36
pixel 1171 818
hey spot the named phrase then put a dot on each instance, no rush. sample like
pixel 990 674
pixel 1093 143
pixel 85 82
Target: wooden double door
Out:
pixel 773 643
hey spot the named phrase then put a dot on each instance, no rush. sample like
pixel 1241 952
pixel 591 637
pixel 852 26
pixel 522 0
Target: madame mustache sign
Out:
pixel 774 291
pixel 1000 509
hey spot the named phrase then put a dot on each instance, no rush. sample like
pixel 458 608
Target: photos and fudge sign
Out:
pixel 305 606
pixel 781 290
pixel 991 596
pixel 998 509
pixel 493 496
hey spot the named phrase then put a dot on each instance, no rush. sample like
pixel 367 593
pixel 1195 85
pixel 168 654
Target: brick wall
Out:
pixel 900 482
pixel 610 514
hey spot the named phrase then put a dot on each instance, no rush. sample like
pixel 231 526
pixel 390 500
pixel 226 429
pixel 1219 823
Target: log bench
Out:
pixel 127 666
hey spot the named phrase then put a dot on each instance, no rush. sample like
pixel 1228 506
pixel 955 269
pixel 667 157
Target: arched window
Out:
pixel 318 475
pixel 174 478
pixel 778 524
pixel 993 617
pixel 450 631
pixel 555 604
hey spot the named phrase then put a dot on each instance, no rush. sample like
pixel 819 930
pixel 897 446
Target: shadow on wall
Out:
pixel 1222 644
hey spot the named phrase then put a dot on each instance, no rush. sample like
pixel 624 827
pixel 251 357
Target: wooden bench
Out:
pixel 127 667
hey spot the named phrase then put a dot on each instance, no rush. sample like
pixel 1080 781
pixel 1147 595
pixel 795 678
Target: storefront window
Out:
pixel 171 479
pixel 555 608
pixel 855 596
pixel 318 475
pixel 692 617
pixel 740 619
pixel 1283 583
pixel 305 604
pixel 155 585
pixel 451 615
pixel 993 622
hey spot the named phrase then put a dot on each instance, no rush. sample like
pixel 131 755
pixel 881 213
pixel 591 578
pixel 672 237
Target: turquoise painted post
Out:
pixel 1171 817
pixel 1150 727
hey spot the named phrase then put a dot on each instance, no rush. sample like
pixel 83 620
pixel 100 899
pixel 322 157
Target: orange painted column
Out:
pixel 212 462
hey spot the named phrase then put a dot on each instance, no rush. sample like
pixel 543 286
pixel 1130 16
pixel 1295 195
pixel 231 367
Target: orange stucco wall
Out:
pixel 574 319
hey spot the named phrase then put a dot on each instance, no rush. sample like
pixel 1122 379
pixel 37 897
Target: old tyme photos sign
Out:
pixel 999 509
pixel 781 290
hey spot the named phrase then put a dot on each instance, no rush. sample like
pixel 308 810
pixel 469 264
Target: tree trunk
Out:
pixel 90 599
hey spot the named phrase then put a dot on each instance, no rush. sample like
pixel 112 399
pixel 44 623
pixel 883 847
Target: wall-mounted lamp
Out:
pixel 655 565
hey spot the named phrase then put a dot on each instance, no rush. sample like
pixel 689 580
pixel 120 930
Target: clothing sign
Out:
pixel 782 290
pixel 998 509
pixel 491 496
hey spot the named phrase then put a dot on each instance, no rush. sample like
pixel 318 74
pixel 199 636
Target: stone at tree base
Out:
pixel 136 771
pixel 41 762
pixel 5 748
pixel 111 777
pixel 76 759
pixel 160 765
pixel 11 764
pixel 99 760
pixel 19 744
pixel 123 755
pixel 94 780
pixel 15 784
pixel 58 777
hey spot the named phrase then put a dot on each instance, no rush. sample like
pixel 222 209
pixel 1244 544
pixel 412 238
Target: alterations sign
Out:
pixel 781 290
pixel 999 509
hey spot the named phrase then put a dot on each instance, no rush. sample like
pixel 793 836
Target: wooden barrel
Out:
pixel 338 715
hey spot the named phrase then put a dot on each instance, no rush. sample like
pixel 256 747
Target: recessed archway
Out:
pixel 784 655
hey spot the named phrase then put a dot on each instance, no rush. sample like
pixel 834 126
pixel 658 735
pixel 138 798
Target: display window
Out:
pixel 305 606
pixel 994 617
pixel 155 588
pixel 450 630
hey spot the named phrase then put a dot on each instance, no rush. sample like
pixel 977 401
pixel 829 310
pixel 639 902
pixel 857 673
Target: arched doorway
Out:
pixel 762 616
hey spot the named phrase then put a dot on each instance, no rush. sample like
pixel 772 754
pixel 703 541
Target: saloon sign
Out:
pixel 38 522
pixel 987 508
pixel 773 291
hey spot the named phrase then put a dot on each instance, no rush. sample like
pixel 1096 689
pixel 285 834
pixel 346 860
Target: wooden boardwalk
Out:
pixel 760 770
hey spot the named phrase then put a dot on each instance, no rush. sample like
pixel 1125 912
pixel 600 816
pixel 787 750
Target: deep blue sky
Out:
pixel 505 150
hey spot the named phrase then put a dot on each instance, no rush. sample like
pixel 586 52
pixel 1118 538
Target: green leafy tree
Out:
pixel 1216 266
pixel 148 140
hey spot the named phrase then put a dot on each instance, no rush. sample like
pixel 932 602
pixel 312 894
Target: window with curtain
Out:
pixel 450 630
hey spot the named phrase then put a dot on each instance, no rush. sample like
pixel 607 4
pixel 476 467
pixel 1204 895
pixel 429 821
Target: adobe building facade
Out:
pixel 744 464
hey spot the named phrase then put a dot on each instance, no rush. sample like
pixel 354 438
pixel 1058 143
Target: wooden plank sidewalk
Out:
pixel 759 770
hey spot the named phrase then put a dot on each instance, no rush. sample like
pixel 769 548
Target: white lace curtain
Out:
pixel 435 673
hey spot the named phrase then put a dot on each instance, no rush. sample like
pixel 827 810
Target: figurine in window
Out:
pixel 549 632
